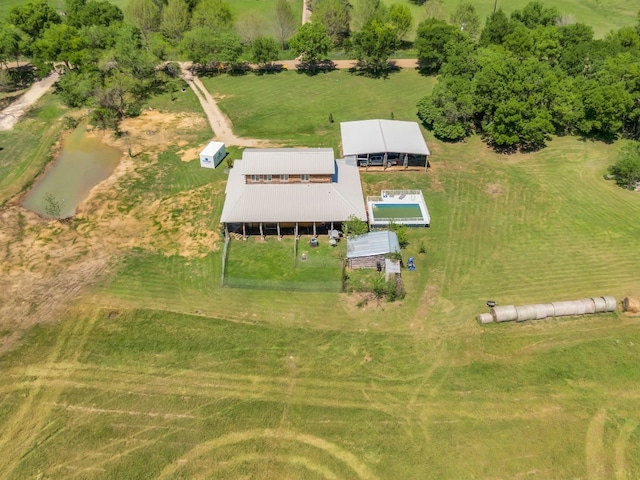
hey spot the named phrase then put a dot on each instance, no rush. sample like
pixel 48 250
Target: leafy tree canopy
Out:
pixel 311 43
pixel 335 16
pixel 264 50
pixel 536 13
pixel 33 17
pixel 431 42
pixel 373 46
pixel 627 169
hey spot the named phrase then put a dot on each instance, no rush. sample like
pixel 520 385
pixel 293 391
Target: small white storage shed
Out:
pixel 212 155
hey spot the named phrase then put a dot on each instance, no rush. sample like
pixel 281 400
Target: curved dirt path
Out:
pixel 306 12
pixel 220 123
pixel 10 115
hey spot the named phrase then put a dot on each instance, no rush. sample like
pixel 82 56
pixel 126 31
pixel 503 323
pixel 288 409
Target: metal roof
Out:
pixel 294 202
pixel 372 243
pixel 212 148
pixel 379 136
pixel 292 161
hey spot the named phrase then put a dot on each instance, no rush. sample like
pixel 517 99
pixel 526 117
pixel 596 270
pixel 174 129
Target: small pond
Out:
pixel 84 162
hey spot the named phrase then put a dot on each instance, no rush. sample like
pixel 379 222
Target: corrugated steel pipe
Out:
pixel 522 313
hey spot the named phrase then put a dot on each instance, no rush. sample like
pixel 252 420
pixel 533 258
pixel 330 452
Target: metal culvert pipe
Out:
pixel 610 303
pixel 526 312
pixel 539 311
pixel 588 305
pixel 544 310
pixel 504 314
pixel 600 304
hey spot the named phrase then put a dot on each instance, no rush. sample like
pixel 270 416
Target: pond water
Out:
pixel 84 162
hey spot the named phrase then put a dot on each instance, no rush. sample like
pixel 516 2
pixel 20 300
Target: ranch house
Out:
pixel 290 191
pixel 385 144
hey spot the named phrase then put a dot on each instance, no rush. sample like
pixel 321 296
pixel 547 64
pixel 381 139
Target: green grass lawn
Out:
pixel 294 108
pixel 602 15
pixel 270 264
pixel 160 372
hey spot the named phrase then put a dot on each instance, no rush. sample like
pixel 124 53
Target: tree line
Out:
pixel 527 76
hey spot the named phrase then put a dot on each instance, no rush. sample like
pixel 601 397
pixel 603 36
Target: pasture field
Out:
pixel 602 15
pixel 156 371
pixel 262 8
pixel 294 108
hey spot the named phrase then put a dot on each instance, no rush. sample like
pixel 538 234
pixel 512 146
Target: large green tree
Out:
pixel 311 43
pixel 373 46
pixel 536 13
pixel 60 43
pixel 432 38
pixel 175 19
pixel 205 46
pixel 12 44
pixel 83 13
pixel 33 18
pixel 144 15
pixel 400 17
pixel 214 14
pixel 467 19
pixel 513 98
pixel 496 29
pixel 366 11
pixel 264 50
pixel 449 111
pixel 627 169
pixel 335 16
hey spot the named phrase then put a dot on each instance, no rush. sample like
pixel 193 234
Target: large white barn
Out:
pixel 384 143
pixel 291 191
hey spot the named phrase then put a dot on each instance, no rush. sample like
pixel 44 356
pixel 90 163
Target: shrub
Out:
pixel 627 169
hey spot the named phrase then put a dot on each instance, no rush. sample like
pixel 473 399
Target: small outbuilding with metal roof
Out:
pixel 371 249
pixel 384 143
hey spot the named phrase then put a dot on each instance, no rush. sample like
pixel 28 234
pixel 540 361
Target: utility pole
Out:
pixel 495 5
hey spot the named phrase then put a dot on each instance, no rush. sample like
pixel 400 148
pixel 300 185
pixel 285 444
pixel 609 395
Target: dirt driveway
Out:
pixel 10 115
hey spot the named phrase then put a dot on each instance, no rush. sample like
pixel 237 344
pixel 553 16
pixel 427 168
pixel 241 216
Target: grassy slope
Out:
pixel 295 108
pixel 603 15
pixel 162 372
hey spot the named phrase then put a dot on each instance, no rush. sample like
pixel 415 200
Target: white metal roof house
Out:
pixel 384 143
pixel 366 251
pixel 287 189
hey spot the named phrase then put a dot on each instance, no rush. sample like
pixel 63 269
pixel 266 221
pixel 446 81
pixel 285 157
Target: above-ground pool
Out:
pixel 397 210
pixel 405 207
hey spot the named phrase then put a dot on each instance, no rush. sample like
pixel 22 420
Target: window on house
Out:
pixel 255 178
pixel 304 177
pixel 267 178
pixel 284 178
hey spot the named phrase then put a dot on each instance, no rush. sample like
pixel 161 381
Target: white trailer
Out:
pixel 212 155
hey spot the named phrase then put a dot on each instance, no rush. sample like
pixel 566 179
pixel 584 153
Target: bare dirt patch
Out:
pixel 46 265
pixel 494 189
